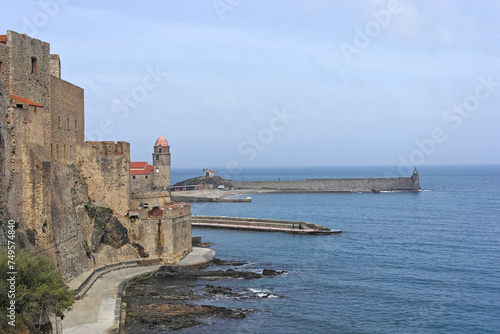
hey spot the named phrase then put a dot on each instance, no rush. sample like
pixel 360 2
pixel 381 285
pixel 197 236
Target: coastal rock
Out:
pixel 167 299
pixel 271 272
pixel 219 262
pixel 214 182
pixel 176 316
pixel 190 272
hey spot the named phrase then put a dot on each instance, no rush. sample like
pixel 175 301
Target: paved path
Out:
pixel 99 311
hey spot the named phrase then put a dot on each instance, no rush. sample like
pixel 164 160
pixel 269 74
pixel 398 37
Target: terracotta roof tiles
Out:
pixel 25 101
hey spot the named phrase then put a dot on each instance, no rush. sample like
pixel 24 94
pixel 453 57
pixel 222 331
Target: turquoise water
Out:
pixel 426 262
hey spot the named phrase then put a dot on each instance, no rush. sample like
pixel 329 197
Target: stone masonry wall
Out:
pixel 5 146
pixel 140 183
pixel 67 119
pixel 168 236
pixel 106 166
pixel 331 185
pixel 26 81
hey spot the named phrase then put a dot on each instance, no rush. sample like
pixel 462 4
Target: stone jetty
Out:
pixel 263 225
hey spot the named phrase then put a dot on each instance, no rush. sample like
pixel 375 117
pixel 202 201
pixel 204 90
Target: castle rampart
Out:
pixel 106 167
pixel 70 198
pixel 165 235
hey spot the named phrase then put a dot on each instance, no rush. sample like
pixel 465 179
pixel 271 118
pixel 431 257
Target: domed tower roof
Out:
pixel 161 141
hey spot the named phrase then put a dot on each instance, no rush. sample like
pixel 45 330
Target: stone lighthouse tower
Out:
pixel 161 165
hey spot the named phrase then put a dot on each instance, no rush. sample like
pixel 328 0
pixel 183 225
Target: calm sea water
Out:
pixel 426 262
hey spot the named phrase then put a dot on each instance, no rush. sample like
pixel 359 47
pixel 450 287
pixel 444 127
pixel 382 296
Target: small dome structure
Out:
pixel 161 141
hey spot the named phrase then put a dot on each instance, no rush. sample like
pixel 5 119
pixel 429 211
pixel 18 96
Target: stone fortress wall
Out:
pixel 70 198
pixel 105 167
pixel 138 183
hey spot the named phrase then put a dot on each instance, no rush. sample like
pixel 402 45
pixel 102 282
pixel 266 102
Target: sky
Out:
pixel 249 83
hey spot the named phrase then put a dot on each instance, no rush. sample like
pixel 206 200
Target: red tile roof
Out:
pixel 138 165
pixel 25 101
pixel 140 168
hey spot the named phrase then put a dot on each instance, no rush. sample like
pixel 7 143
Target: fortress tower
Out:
pixel 161 165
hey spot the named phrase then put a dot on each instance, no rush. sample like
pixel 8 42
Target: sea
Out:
pixel 424 262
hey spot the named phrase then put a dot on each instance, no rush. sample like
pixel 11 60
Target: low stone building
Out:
pixel 208 172
pixel 72 200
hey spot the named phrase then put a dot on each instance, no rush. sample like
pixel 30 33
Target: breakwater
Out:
pixel 200 199
pixel 336 185
pixel 265 225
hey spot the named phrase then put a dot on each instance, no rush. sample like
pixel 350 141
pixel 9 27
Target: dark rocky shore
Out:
pixel 172 297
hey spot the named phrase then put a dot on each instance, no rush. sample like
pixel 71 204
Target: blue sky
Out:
pixel 235 83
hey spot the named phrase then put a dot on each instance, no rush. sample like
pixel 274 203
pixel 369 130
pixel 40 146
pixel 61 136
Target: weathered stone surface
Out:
pixel 108 230
pixel 140 250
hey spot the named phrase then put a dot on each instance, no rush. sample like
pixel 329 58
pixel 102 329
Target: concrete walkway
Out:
pixel 98 312
pixel 304 230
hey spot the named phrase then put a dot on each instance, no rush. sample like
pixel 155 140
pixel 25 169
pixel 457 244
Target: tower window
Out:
pixel 146 176
pixel 133 177
pixel 67 120
pixel 157 156
pixel 76 129
pixel 34 65
pixel 159 150
pixel 59 122
pixel 1 66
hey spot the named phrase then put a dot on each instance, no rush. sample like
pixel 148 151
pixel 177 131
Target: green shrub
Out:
pixel 40 288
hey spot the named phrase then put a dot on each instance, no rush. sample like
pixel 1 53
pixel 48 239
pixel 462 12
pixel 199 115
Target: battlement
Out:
pixel 109 148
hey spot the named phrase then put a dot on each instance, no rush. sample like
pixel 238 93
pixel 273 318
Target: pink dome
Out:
pixel 161 141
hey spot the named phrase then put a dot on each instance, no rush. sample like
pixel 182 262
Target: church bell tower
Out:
pixel 161 165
